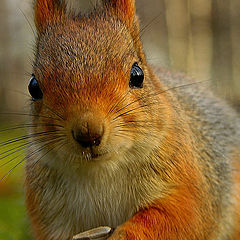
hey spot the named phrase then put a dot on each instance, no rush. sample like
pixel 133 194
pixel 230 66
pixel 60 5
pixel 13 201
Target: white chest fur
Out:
pixel 72 204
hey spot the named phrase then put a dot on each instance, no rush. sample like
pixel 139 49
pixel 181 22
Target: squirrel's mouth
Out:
pixel 92 155
pixel 95 155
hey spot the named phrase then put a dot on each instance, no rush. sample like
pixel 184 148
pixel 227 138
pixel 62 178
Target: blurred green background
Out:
pixel 199 38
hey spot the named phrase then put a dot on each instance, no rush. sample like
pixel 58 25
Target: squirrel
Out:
pixel 120 143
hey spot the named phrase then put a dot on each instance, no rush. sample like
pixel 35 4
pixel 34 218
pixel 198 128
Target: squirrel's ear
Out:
pixel 47 12
pixel 123 9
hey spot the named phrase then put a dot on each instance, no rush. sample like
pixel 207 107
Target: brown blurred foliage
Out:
pixel 200 38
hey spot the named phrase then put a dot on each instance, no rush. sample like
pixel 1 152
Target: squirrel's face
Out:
pixel 88 86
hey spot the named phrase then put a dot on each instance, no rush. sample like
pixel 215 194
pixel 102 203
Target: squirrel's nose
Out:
pixel 88 136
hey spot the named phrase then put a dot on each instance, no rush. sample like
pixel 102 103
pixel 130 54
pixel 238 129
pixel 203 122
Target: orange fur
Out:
pixel 175 218
pixel 236 180
pixel 123 9
pixel 47 12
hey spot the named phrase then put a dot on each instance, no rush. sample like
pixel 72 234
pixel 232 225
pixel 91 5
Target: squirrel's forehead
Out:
pixel 80 39
pixel 83 48
pixel 87 35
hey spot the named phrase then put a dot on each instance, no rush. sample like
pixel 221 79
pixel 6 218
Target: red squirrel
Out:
pixel 123 146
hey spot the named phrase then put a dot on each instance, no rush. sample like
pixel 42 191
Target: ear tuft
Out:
pixel 123 9
pixel 46 12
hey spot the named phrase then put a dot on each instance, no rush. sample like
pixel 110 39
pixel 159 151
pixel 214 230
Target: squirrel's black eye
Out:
pixel 34 89
pixel 137 77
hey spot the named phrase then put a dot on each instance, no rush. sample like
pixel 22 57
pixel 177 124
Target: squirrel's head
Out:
pixel 90 78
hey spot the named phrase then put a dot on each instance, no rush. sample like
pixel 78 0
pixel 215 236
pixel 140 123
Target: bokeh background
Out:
pixel 198 37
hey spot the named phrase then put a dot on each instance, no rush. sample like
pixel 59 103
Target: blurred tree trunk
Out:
pixel 222 49
pixel 235 36
pixel 4 52
pixel 200 62
pixel 178 22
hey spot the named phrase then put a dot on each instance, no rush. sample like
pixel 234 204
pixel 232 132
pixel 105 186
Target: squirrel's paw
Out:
pixel 122 233
pixel 119 235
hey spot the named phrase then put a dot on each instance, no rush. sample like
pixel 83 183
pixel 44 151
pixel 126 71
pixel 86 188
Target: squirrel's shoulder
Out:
pixel 209 114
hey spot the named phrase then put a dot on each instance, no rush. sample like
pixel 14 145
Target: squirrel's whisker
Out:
pixel 127 113
pixel 117 104
pixel 25 126
pixel 138 132
pixel 31 154
pixel 7 174
pixel 28 114
pixel 26 145
pixel 25 137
